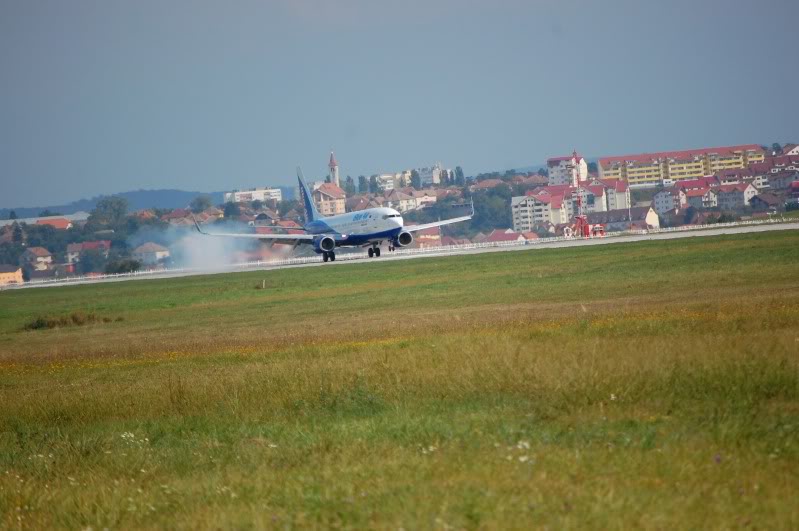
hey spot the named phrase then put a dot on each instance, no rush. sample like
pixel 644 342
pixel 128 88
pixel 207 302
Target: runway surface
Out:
pixel 415 254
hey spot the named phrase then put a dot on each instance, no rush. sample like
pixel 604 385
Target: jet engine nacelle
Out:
pixel 403 239
pixel 324 244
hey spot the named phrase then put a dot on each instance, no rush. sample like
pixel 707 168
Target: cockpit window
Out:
pixel 391 216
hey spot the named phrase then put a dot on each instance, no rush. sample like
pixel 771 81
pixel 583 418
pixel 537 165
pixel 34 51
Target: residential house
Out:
pixel 504 236
pixel 427 237
pixel 36 258
pixel 486 184
pixel 449 240
pixel 424 197
pixel 56 223
pixel 329 199
pixel 669 199
pixel 790 149
pixel 399 201
pixel 734 196
pixel 616 220
pixel 150 254
pixel 10 275
pixel 74 250
pixel 783 180
pixel 766 202
pixel 702 198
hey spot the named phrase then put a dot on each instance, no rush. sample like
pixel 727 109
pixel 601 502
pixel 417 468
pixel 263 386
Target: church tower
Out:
pixel 333 165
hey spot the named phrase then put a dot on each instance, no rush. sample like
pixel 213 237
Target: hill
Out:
pixel 137 200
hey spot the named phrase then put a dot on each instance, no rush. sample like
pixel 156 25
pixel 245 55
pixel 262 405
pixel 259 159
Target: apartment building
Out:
pixel 553 205
pixel 253 194
pixel 329 199
pixel 651 169
pixel 570 170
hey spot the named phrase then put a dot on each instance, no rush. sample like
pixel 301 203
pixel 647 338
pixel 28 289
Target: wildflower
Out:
pixel 523 458
pixel 612 397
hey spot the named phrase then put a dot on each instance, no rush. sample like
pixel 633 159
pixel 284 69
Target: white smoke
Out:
pixel 190 249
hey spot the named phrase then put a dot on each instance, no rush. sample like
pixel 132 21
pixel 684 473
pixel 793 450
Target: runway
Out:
pixel 345 259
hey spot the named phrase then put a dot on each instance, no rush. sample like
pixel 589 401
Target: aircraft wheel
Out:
pixel 371 252
pixel 377 252
pixel 332 256
pixel 325 257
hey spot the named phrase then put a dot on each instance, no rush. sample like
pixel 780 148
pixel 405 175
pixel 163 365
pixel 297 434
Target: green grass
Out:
pixel 651 385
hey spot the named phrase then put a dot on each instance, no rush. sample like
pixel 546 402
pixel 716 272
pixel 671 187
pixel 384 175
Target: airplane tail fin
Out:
pixel 311 214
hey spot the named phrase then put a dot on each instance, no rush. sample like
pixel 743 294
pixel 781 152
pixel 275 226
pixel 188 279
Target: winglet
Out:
pixel 197 225
pixel 472 200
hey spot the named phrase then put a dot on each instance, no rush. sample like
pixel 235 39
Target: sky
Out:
pixel 106 96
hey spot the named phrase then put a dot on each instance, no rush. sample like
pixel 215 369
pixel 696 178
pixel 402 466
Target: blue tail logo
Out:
pixel 311 214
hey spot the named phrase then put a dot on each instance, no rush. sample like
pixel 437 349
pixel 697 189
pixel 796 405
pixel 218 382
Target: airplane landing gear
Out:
pixel 374 252
pixel 371 252
pixel 328 255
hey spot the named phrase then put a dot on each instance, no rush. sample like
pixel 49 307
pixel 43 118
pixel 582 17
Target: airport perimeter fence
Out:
pixel 437 250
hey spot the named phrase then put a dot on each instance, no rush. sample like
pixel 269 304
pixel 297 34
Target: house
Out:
pixel 427 237
pixel 150 253
pixel 399 201
pixel 781 181
pixel 56 223
pixel 766 202
pixel 790 149
pixel 616 220
pixel 734 196
pixel 10 275
pixel 504 235
pixel 424 197
pixel 329 199
pixel 74 250
pixel 486 184
pixel 702 198
pixel 36 258
pixel 669 199
pixel 449 240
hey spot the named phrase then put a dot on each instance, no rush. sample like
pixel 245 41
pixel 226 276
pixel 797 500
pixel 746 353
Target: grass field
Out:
pixel 650 385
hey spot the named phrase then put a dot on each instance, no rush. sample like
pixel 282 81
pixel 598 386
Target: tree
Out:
pixel 200 203
pixel 542 172
pixel 91 261
pixel 285 206
pixel 373 188
pixel 460 180
pixel 327 179
pixel 17 235
pixel 592 167
pixel 363 184
pixel 110 212
pixel 232 210
pixel 416 180
pixel 123 265
pixel 776 148
pixel 12 214
pixel 257 204
pixel 47 212
pixel 349 186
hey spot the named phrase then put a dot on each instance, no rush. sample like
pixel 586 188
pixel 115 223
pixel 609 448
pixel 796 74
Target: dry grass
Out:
pixel 572 403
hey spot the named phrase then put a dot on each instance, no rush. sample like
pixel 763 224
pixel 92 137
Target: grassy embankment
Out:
pixel 651 384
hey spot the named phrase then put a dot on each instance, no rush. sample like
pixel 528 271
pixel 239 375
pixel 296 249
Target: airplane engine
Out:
pixel 403 239
pixel 324 244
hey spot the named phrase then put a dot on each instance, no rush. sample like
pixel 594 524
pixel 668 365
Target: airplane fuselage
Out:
pixel 359 228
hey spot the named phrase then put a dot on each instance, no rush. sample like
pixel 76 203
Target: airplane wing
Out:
pixel 414 228
pixel 287 238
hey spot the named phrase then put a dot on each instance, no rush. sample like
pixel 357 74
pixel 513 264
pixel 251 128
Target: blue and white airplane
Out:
pixel 366 228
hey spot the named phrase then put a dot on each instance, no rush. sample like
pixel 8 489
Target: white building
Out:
pixel 254 194
pixel 150 253
pixel 666 200
pixel 432 175
pixel 570 170
pixel 733 196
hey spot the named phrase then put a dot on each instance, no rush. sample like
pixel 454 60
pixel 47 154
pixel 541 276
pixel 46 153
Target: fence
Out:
pixel 442 250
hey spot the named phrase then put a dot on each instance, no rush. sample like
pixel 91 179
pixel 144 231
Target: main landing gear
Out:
pixel 374 252
pixel 328 255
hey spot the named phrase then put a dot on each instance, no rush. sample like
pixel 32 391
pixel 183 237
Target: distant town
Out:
pixel 617 193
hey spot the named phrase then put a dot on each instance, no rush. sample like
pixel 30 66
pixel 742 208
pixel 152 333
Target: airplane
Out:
pixel 365 228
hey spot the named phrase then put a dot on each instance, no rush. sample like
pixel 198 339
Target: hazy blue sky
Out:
pixel 106 96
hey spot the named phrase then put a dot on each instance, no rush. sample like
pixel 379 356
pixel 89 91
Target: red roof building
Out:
pixel 57 223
